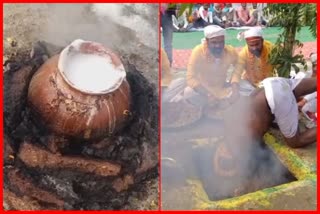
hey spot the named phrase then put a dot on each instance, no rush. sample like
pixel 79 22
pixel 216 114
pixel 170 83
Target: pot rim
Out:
pixel 77 47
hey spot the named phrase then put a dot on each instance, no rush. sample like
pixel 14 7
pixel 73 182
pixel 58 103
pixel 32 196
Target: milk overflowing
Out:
pixel 92 73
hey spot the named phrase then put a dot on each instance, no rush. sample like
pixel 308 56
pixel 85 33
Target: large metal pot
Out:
pixel 73 95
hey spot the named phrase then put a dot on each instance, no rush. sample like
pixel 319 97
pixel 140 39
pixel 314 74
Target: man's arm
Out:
pixel 302 139
pixel 201 14
pixel 253 17
pixel 234 84
pixel 244 16
pixel 174 22
pixel 193 67
pixel 237 13
pixel 306 86
pixel 185 20
pixel 239 67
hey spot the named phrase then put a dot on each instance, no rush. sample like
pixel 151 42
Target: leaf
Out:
pixel 184 7
pixel 290 17
pixel 171 5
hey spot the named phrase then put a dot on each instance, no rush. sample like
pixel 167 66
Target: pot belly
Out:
pixel 67 111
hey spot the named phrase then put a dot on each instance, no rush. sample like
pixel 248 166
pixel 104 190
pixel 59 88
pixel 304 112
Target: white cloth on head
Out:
pixel 253 32
pixel 282 103
pixel 313 58
pixel 212 31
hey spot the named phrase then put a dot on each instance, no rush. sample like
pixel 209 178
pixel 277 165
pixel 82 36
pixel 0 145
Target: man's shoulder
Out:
pixel 198 48
pixel 244 50
pixel 268 43
pixel 230 49
pixel 239 8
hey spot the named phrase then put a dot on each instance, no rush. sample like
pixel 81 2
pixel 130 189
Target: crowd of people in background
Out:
pixel 202 15
pixel 223 14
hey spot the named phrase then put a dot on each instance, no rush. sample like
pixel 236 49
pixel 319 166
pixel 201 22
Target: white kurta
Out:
pixel 283 104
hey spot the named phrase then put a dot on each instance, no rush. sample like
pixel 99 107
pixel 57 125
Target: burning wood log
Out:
pixel 25 187
pixel 36 157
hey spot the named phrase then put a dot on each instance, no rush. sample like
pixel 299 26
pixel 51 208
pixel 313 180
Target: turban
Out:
pixel 313 58
pixel 253 32
pixel 212 31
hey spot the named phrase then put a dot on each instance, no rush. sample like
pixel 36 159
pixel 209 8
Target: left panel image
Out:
pixel 80 106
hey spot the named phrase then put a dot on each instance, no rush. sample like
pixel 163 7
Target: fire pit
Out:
pixel 72 146
pixel 221 180
pixel 276 177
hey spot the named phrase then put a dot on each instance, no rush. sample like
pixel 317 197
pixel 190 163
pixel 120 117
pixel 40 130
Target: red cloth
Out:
pixel 312 116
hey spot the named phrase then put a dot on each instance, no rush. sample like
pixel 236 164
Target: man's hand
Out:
pixel 183 29
pixel 301 103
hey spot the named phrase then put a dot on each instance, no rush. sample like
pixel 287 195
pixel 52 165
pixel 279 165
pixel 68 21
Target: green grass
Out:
pixel 190 39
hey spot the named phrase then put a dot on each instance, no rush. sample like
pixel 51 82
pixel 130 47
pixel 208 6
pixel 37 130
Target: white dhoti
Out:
pixel 311 104
pixel 283 104
pixel 309 109
pixel 179 91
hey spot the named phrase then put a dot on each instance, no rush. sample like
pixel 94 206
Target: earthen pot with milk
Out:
pixel 82 92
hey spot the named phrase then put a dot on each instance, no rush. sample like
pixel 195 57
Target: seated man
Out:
pixel 243 16
pixel 205 83
pixel 207 68
pixel 217 15
pixel 253 65
pixel 180 23
pixel 204 17
pixel 254 15
pixel 228 15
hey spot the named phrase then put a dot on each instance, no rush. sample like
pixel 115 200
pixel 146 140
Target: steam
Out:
pixel 136 20
pixel 257 167
pixel 113 25
pixel 130 30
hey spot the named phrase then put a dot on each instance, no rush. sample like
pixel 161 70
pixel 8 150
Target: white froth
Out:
pixel 92 73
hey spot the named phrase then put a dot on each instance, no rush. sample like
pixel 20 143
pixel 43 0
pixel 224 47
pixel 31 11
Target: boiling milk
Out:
pixel 92 73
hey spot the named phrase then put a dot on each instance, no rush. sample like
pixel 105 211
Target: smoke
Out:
pixel 140 18
pixel 118 26
pixel 245 164
pixel 130 30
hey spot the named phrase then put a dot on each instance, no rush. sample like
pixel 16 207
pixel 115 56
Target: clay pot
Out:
pixel 80 109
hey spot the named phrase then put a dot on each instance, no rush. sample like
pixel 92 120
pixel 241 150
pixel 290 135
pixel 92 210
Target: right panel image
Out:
pixel 238 106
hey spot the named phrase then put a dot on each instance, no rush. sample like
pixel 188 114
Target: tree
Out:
pixel 290 17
